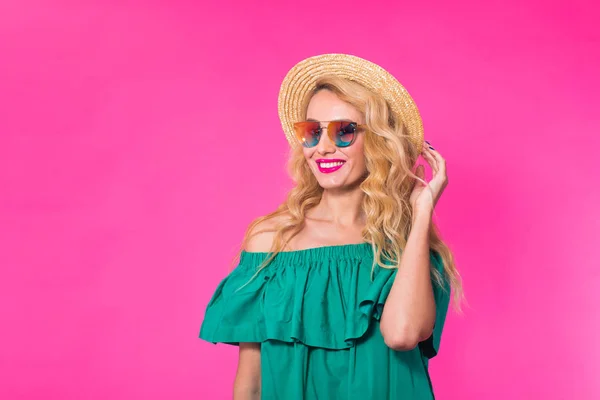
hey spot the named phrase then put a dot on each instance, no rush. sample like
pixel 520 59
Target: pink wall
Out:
pixel 138 141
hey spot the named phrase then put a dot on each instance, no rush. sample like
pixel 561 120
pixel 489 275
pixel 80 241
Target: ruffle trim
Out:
pixel 320 297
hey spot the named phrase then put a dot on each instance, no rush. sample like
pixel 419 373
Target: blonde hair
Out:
pixel 390 156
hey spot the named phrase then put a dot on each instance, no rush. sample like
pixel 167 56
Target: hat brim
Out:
pixel 302 77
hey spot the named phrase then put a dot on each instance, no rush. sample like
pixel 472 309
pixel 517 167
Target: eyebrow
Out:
pixel 339 119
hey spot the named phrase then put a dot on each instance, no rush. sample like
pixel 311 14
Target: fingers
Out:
pixel 441 162
pixel 427 154
pixel 430 160
pixel 435 159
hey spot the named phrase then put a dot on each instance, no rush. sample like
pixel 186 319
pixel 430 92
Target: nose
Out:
pixel 325 145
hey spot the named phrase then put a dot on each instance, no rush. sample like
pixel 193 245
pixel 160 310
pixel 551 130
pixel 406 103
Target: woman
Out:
pixel 342 292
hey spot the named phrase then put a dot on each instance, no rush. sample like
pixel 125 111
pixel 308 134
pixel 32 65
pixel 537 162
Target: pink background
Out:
pixel 138 139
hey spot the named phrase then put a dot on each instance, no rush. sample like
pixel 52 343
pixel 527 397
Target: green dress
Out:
pixel 316 314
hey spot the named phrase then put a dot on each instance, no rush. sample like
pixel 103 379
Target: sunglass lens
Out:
pixel 344 133
pixel 308 133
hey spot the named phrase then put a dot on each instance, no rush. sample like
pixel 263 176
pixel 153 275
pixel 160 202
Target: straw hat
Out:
pixel 302 77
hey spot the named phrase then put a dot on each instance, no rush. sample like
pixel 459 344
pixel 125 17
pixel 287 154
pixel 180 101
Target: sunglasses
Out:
pixel 341 133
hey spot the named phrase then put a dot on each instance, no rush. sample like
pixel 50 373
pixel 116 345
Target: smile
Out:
pixel 329 166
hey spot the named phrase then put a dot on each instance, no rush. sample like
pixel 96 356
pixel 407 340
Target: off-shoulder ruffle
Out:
pixel 322 297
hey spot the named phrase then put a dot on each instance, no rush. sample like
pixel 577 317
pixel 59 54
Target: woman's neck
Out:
pixel 340 208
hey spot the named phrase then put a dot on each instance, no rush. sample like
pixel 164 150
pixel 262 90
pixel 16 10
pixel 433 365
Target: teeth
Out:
pixel 331 164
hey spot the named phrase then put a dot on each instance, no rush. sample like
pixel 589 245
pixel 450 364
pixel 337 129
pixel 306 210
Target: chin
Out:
pixel 327 184
pixel 336 180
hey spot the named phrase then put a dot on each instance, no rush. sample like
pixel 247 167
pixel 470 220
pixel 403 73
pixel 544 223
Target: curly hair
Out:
pixel 390 156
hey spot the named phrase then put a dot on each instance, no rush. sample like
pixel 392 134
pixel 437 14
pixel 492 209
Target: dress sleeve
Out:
pixel 234 313
pixel 431 345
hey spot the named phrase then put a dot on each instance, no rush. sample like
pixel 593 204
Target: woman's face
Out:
pixel 326 106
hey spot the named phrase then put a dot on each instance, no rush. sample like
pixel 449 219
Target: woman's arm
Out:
pixel 247 384
pixel 409 312
pixel 247 379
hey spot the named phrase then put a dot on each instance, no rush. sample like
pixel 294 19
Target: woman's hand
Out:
pixel 424 197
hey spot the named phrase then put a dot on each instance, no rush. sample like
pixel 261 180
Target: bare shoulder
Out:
pixel 263 234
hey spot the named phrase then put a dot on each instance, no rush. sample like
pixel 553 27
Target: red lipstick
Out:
pixel 328 166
